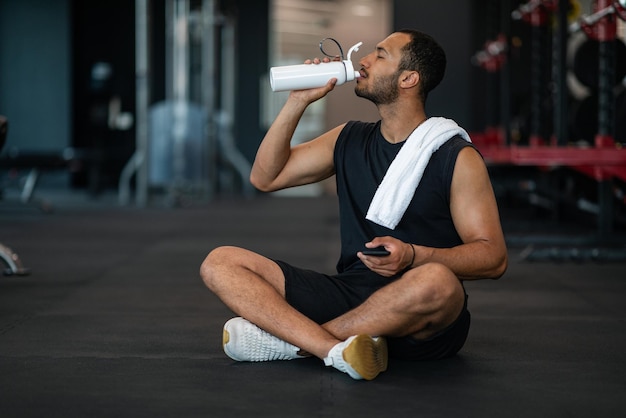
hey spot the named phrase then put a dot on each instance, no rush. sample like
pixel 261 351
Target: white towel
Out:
pixel 403 176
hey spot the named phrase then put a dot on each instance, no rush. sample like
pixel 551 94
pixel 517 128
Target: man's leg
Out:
pixel 422 302
pixel 253 287
pixel 425 300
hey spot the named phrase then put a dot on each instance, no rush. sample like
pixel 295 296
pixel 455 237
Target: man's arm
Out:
pixel 477 220
pixel 278 165
pixel 483 254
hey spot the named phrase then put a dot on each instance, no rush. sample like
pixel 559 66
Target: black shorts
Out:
pixel 323 297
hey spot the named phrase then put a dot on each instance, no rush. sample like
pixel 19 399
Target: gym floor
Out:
pixel 114 321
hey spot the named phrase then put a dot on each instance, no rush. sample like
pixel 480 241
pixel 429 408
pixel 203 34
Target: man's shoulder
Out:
pixel 359 124
pixel 455 144
pixel 458 141
pixel 359 128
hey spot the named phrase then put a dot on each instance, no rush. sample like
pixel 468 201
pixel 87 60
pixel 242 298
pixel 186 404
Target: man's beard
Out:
pixel 385 90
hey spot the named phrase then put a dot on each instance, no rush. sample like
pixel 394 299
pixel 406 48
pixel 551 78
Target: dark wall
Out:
pixel 35 73
pixel 449 22
pixel 252 19
pixel 103 32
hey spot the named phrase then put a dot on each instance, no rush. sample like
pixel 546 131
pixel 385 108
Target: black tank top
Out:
pixel 362 156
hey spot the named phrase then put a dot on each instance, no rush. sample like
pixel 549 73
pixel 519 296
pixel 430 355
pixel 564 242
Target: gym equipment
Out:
pixel 586 57
pixel 601 64
pixel 493 55
pixel 13 262
pixel 603 10
pixel 198 33
pixel 535 12
pixel 601 26
pixel 8 256
pixel 584 117
pixel 36 163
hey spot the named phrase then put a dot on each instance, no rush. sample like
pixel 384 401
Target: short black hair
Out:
pixel 424 55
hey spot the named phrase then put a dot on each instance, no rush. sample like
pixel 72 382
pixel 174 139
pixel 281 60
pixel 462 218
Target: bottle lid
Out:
pixel 351 74
pixel 354 47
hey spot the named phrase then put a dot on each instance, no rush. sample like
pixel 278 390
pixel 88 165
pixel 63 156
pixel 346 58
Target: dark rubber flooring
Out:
pixel 115 322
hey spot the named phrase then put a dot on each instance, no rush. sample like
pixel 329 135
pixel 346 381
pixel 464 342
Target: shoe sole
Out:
pixel 226 340
pixel 234 334
pixel 367 356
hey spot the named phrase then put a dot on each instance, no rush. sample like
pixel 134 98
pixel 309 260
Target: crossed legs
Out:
pixel 422 302
pixel 253 287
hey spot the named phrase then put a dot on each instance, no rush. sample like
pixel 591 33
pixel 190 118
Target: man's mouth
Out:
pixel 362 73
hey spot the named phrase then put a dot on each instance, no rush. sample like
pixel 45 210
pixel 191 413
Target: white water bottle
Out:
pixel 308 76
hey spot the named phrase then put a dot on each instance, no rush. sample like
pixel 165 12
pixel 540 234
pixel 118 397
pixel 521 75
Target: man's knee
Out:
pixel 438 298
pixel 218 260
pixel 226 264
pixel 438 287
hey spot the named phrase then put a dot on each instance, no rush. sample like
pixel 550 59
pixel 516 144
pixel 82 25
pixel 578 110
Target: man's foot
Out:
pixel 361 356
pixel 244 341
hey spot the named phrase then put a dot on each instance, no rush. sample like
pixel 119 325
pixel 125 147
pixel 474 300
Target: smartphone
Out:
pixel 376 252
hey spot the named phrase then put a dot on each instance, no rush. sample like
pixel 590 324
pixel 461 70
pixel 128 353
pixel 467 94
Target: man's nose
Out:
pixel 364 62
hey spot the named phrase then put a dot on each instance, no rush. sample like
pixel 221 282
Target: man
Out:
pixel 410 303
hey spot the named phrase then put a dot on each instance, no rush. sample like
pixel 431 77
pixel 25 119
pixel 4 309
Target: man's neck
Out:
pixel 399 121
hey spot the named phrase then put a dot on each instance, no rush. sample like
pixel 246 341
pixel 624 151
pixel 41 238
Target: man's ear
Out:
pixel 409 79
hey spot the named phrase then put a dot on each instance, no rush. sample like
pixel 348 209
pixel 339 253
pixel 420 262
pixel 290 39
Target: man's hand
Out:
pixel 309 96
pixel 398 260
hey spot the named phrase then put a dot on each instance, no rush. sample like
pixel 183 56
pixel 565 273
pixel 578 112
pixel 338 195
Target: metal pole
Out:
pixel 228 148
pixel 537 75
pixel 181 95
pixel 208 83
pixel 505 77
pixel 137 165
pixel 560 71
pixel 142 86
pixel 606 32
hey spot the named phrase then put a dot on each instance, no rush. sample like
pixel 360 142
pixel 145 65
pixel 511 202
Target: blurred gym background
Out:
pixel 166 101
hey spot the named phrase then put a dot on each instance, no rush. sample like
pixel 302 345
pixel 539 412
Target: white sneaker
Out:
pixel 244 341
pixel 361 356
